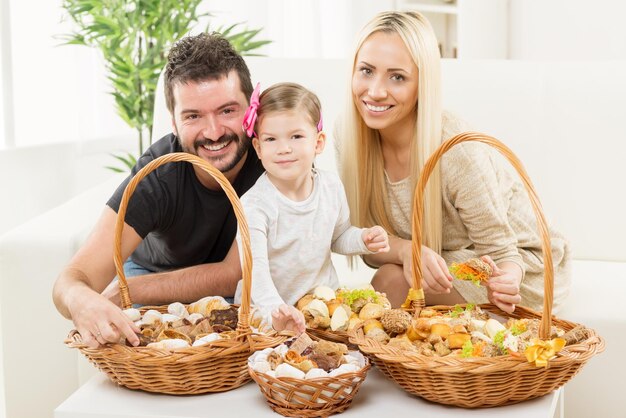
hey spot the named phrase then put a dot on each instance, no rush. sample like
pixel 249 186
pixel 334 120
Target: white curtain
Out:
pixel 60 93
pixel 6 132
pixel 300 28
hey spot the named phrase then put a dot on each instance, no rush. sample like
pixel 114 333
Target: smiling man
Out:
pixel 179 226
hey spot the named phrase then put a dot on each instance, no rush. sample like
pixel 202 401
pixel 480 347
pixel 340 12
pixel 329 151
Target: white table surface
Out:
pixel 378 397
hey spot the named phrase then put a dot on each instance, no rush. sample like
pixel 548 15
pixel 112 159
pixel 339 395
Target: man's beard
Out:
pixel 242 143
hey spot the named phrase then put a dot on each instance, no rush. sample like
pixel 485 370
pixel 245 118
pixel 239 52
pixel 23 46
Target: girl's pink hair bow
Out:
pixel 249 119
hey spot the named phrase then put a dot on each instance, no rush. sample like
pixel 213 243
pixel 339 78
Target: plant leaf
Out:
pixel 134 37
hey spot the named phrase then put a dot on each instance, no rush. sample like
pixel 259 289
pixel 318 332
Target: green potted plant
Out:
pixel 134 37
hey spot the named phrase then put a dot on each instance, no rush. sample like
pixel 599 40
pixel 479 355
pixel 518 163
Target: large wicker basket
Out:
pixel 219 366
pixel 480 382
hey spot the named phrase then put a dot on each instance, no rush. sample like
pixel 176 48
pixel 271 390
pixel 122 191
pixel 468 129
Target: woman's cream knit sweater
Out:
pixel 486 211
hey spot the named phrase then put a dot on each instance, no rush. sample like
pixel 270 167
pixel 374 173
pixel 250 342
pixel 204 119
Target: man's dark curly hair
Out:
pixel 203 57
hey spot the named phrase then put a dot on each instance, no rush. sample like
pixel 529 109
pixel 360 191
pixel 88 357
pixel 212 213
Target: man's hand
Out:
pixel 99 321
pixel 288 318
pixel 376 239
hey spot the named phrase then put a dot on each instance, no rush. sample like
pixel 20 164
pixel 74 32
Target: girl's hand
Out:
pixel 376 239
pixel 436 277
pixel 503 286
pixel 288 318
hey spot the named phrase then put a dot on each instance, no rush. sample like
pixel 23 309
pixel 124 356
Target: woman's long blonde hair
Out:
pixel 360 152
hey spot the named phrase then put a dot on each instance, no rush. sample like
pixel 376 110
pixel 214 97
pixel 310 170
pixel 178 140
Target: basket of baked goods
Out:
pixel 330 314
pixel 185 349
pixel 477 356
pixel 307 378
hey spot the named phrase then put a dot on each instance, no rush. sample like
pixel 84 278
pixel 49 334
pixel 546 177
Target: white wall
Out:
pixel 6 135
pixel 567 30
pixel 301 28
pixel 59 92
pixel 564 121
pixel 482 29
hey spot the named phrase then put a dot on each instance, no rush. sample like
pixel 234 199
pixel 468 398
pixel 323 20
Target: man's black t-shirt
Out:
pixel 182 223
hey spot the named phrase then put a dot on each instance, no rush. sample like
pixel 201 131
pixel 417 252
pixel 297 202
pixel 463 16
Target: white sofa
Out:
pixel 36 179
pixel 563 120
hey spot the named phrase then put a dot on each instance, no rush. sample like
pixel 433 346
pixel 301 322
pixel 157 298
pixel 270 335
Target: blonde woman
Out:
pixel 474 205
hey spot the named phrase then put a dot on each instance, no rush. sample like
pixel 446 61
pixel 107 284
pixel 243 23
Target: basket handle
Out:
pixel 246 267
pixel 418 213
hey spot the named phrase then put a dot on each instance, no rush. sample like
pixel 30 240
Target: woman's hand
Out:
pixel 288 318
pixel 376 239
pixel 504 284
pixel 436 277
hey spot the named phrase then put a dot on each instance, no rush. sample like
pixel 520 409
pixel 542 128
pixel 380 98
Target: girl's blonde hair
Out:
pixel 282 97
pixel 360 153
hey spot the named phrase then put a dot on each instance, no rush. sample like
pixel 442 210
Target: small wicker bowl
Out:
pixel 334 336
pixel 318 397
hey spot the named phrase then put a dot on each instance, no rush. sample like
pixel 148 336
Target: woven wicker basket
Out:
pixel 318 397
pixel 335 336
pixel 216 367
pixel 480 382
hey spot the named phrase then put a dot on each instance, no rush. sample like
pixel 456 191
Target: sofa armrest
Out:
pixel 596 300
pixel 37 366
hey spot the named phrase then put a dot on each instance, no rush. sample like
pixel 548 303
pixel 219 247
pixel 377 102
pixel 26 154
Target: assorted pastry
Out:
pixel 468 331
pixel 474 270
pixel 206 320
pixel 343 309
pixel 303 358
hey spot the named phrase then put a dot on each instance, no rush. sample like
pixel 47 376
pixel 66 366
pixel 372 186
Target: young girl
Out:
pixel 296 213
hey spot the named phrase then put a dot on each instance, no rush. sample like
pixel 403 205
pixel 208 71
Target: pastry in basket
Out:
pixel 468 331
pixel 206 305
pixel 202 322
pixel 226 317
pixel 342 310
pixel 356 299
pixel 474 270
pixel 396 321
pixel 303 358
